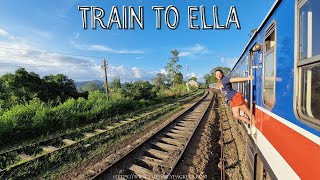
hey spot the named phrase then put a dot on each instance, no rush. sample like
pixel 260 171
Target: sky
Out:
pixel 47 37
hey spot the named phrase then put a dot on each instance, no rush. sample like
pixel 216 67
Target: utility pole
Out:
pixel 105 67
pixel 187 68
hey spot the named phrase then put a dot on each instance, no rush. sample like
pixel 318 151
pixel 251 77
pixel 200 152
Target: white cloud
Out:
pixel 45 63
pixel 198 76
pixel 76 35
pixel 77 68
pixel 229 61
pixel 138 58
pixel 131 73
pixel 42 34
pixel 192 75
pixel 193 51
pixel 6 34
pixel 163 71
pixel 97 47
pixel 137 73
pixel 20 53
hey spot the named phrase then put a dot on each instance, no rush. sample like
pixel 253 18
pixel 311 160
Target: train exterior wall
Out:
pixel 290 147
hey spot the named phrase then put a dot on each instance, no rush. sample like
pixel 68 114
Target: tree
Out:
pixel 2 94
pixel 159 80
pixel 116 83
pixel 138 90
pixel 209 79
pixel 193 78
pixel 21 86
pixel 60 86
pixel 92 86
pixel 172 67
pixel 178 78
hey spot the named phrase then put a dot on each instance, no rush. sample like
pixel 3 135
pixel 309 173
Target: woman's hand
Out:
pixel 250 78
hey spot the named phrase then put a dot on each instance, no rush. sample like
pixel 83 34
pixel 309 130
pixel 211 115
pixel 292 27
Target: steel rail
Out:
pixel 139 148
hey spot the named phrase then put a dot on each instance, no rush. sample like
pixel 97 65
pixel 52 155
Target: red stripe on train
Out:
pixel 302 154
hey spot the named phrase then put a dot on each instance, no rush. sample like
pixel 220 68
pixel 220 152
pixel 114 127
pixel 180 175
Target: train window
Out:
pixel 309 31
pixel 235 86
pixel 269 66
pixel 244 73
pixel 310 91
pixel 234 75
pixel 308 64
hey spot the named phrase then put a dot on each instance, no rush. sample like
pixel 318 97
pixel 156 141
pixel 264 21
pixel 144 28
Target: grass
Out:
pixel 100 143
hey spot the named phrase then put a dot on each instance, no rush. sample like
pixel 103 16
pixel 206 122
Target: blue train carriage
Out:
pixel 284 56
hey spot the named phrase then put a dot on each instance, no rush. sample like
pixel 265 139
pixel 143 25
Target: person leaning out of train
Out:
pixel 237 100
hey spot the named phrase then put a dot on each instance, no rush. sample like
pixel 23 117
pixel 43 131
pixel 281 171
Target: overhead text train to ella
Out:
pixel 128 16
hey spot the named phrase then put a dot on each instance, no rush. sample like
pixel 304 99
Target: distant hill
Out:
pixel 79 85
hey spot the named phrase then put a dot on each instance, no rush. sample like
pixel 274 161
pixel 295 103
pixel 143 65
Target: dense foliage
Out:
pixel 36 118
pixel 29 111
pixel 23 86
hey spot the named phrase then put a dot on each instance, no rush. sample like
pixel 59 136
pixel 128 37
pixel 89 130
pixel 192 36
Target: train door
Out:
pixel 250 145
pixel 261 171
pixel 251 148
pixel 252 87
pixel 253 68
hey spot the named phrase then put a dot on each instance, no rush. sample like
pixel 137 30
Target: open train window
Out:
pixel 235 86
pixel 269 70
pixel 244 73
pixel 308 63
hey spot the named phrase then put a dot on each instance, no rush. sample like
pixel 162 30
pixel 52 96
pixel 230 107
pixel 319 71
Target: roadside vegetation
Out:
pixel 31 106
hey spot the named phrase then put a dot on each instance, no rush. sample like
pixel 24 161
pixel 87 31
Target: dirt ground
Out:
pixel 234 151
pixel 202 156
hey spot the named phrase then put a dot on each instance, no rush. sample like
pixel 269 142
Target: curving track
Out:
pixel 157 156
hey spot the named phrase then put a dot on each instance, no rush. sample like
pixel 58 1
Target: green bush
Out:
pixel 36 118
pixel 203 86
pixel 180 90
pixel 139 90
pixel 23 120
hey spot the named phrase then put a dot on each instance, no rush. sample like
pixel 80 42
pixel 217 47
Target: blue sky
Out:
pixel 47 37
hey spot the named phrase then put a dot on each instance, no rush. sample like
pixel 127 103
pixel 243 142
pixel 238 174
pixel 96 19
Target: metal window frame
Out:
pixel 298 66
pixel 235 86
pixel 271 28
pixel 251 56
pixel 242 64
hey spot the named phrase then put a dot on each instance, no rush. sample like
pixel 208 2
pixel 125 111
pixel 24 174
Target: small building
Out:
pixel 192 83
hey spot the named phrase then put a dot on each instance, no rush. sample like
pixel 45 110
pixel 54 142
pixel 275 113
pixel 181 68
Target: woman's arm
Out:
pixel 239 79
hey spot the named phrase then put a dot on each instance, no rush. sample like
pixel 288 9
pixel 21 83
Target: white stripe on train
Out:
pixel 279 166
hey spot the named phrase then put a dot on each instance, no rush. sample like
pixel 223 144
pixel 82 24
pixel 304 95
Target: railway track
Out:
pixel 156 157
pixel 79 140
